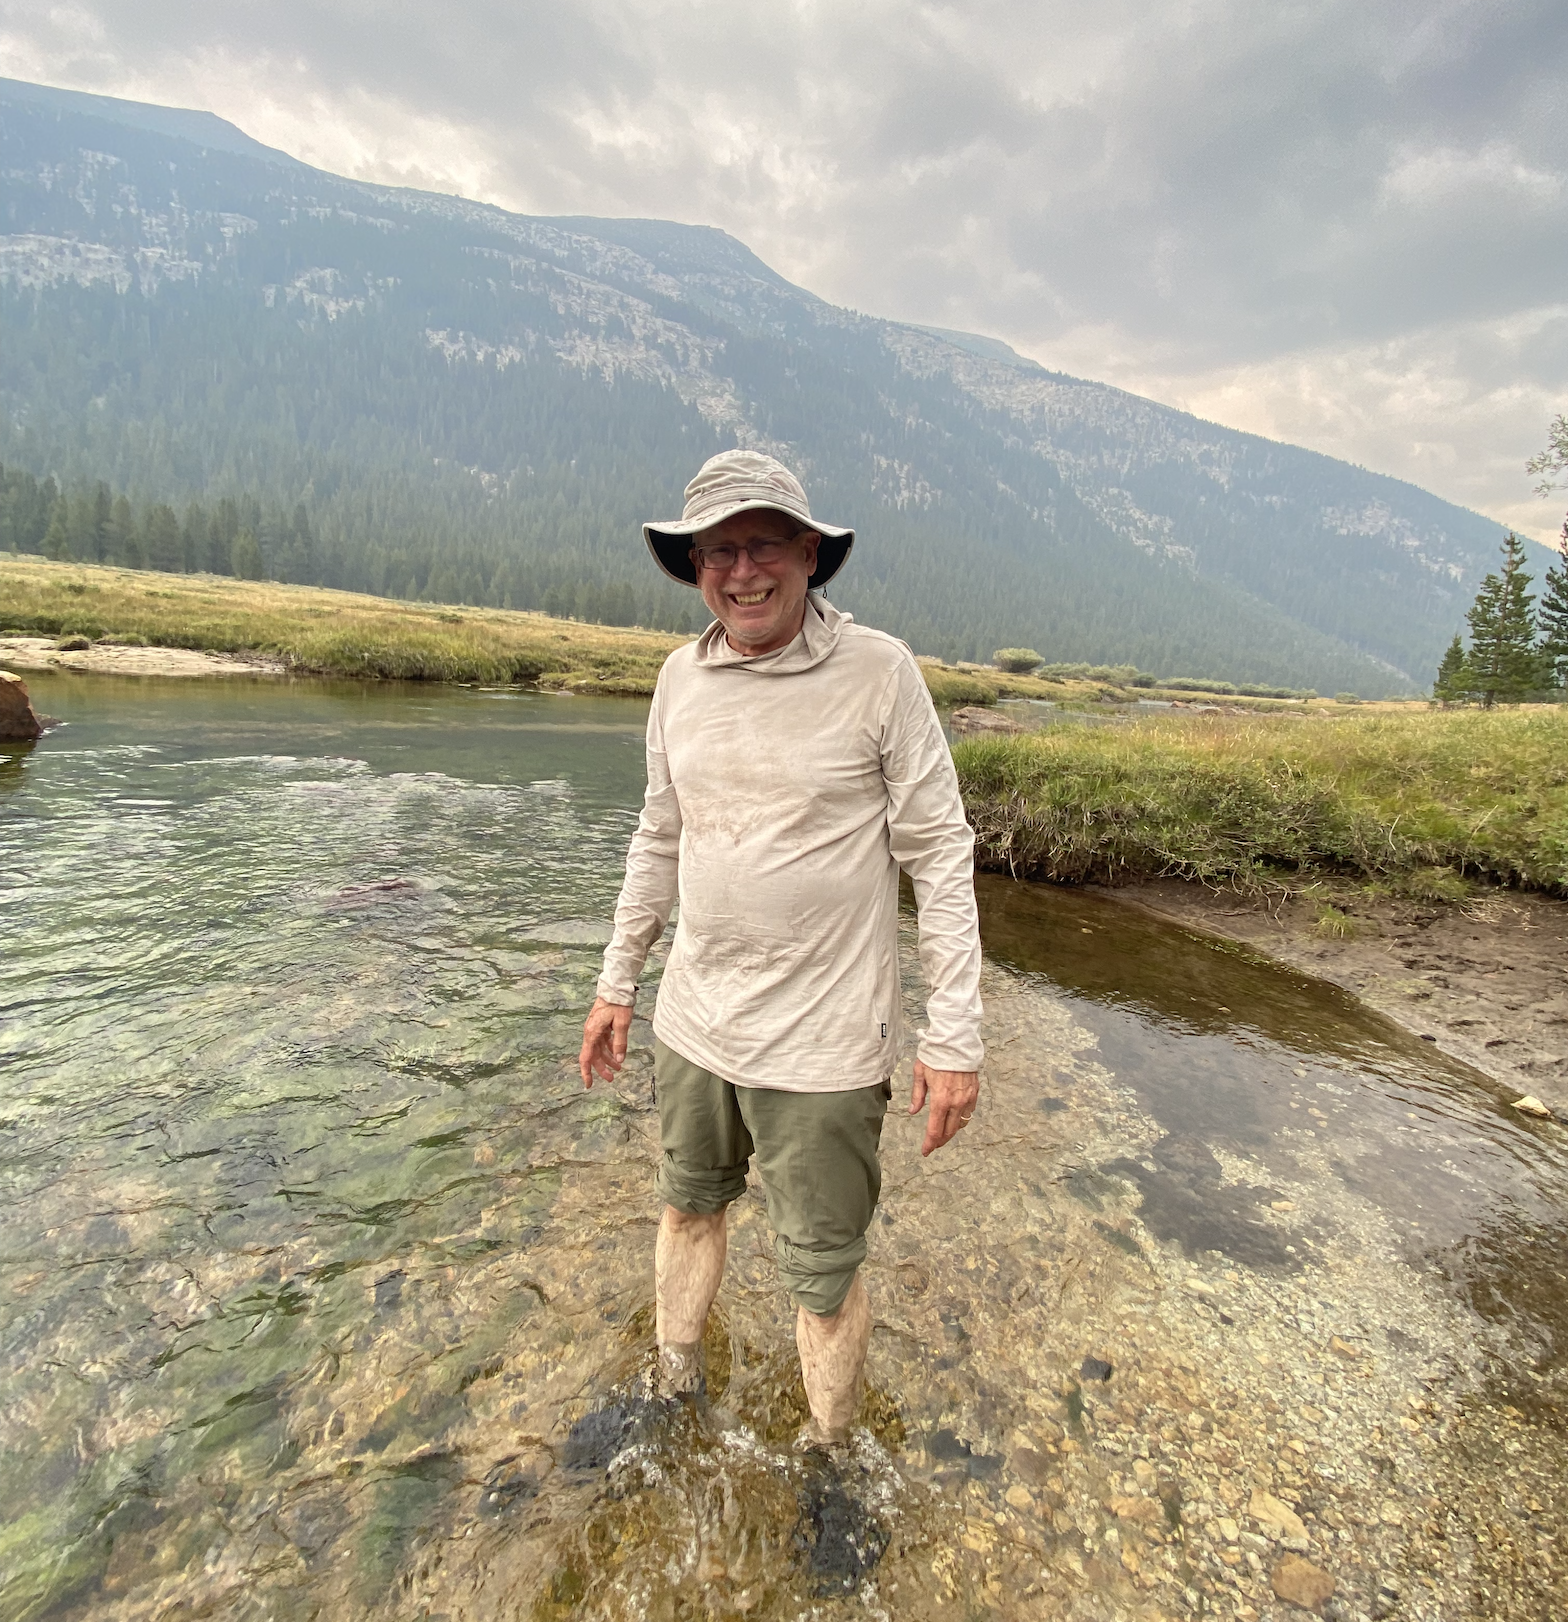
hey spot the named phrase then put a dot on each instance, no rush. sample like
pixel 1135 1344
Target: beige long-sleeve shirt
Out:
pixel 785 792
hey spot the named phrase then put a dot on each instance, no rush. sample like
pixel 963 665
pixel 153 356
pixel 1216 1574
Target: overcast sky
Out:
pixel 1342 223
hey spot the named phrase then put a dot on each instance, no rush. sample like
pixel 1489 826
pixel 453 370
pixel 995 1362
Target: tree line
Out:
pixel 1518 646
pixel 248 538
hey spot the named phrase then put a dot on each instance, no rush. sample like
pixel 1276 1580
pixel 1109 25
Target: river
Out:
pixel 325 1289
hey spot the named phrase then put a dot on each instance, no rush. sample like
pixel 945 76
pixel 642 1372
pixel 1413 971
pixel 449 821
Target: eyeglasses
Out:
pixel 724 557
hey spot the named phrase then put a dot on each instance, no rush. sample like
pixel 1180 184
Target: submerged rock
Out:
pixel 17 719
pixel 1301 1583
pixel 840 1539
pixel 1277 1519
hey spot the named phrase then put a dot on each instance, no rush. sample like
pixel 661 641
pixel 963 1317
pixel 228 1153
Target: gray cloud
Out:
pixel 1343 221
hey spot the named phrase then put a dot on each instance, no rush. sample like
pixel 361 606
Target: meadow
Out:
pixel 320 632
pixel 1265 793
pixel 317 631
pixel 1419 800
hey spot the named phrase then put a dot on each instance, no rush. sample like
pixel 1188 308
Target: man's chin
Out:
pixel 751 632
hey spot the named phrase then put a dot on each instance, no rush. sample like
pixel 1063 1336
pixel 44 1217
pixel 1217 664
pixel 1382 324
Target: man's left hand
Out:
pixel 953 1095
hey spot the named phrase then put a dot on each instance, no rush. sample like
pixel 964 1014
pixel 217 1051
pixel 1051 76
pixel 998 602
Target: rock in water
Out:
pixel 1276 1517
pixel 16 711
pixel 1531 1105
pixel 839 1537
pixel 1302 1583
pixel 975 718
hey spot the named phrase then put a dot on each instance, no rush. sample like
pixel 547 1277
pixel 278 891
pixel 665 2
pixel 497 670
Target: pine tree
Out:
pixel 1554 619
pixel 194 539
pixel 103 517
pixel 165 548
pixel 1453 675
pixel 133 553
pixel 1503 661
pixel 225 530
pixel 121 534
pixel 57 543
pixel 245 556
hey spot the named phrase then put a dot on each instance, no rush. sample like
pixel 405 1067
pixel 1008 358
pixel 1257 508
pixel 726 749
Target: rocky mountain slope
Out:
pixel 478 404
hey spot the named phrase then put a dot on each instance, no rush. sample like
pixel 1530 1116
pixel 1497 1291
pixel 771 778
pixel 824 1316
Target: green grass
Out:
pixel 342 633
pixel 949 686
pixel 1409 797
pixel 1092 687
pixel 323 632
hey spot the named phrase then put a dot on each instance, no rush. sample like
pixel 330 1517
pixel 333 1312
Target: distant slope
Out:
pixel 205 130
pixel 483 405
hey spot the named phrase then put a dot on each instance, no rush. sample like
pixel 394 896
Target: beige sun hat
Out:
pixel 737 482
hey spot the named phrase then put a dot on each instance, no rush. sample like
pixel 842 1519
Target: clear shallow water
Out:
pixel 1232 1053
pixel 314 1252
pixel 276 965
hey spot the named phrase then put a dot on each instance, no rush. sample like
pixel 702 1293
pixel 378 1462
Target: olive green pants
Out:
pixel 816 1154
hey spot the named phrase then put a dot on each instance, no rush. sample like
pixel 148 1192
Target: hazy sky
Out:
pixel 1342 223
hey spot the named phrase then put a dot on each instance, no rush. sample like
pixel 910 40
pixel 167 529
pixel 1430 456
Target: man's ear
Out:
pixel 811 542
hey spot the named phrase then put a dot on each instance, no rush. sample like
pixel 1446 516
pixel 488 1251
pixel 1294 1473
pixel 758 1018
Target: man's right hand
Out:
pixel 604 1040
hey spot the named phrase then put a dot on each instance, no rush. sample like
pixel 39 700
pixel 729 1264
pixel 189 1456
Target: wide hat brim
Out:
pixel 670 543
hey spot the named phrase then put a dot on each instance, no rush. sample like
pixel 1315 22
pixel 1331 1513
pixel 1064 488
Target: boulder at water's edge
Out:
pixel 16 711
pixel 972 718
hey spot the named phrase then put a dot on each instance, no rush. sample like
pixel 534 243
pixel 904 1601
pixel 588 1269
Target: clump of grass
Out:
pixel 1018 661
pixel 1251 801
pixel 1434 884
pixel 1333 924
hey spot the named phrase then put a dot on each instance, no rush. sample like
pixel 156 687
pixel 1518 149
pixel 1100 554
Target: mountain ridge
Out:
pixel 570 365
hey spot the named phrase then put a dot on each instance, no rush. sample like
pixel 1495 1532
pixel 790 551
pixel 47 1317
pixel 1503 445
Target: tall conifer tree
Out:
pixel 1554 618
pixel 103 513
pixel 57 538
pixel 1453 675
pixel 1503 661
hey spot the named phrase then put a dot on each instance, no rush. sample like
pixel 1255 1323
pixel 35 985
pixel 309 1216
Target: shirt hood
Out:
pixel 818 637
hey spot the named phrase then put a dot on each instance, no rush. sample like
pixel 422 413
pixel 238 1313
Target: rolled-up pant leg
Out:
pixel 817 1156
pixel 704 1145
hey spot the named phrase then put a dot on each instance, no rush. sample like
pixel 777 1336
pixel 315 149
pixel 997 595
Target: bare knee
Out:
pixel 692 1224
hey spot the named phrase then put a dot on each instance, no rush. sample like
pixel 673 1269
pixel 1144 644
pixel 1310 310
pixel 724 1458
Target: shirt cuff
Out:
pixel 963 1056
pixel 623 996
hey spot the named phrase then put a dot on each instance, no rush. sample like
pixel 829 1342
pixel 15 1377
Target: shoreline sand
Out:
pixel 23 653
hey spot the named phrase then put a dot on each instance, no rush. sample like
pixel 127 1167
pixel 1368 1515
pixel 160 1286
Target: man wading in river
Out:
pixel 795 764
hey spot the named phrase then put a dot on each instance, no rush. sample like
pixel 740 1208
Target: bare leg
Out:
pixel 832 1355
pixel 688 1263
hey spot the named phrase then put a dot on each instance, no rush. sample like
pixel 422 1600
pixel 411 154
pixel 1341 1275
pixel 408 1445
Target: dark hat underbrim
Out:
pixel 672 552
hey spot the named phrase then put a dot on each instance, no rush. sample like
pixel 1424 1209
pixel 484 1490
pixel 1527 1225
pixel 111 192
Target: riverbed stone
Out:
pixel 1301 1583
pixel 17 719
pixel 1278 1520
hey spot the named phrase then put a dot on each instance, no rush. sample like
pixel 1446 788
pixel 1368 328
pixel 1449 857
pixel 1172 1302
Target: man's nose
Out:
pixel 744 568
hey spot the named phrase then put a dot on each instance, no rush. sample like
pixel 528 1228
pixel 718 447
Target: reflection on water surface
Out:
pixel 319 1264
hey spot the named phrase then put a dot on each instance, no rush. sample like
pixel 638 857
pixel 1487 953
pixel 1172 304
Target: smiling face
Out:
pixel 760 605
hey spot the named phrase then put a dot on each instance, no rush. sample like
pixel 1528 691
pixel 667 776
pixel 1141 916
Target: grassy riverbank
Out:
pixel 339 633
pixel 323 632
pixel 1415 799
pixel 984 684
